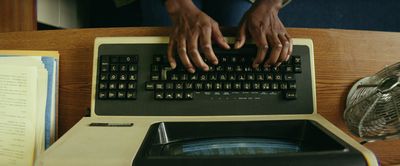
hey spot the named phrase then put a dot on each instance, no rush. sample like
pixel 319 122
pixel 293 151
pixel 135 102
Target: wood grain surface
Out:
pixel 341 58
pixel 17 15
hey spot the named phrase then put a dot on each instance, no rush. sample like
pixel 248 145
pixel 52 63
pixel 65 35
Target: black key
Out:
pixel 184 77
pixel 223 77
pixel 203 77
pixel 121 86
pixel 102 85
pixel 227 86
pixel 232 77
pixel 159 86
pixel 103 76
pixel 113 67
pixel 112 85
pixel 290 95
pixel 149 86
pixel 131 95
pixel 126 59
pixel 233 59
pixel 103 95
pixel 269 77
pixel 188 95
pixel 278 77
pixel 275 69
pixel 208 86
pixel 123 68
pixel 292 85
pixel 104 68
pixel 178 95
pixel 158 58
pixel 289 77
pixel 113 76
pixel 256 86
pixel 248 69
pixel 211 68
pixel 188 86
pixel 105 59
pixel 297 68
pixel 241 77
pixel 155 76
pixel 132 77
pixel 169 95
pixel 179 86
pixel 265 86
pixel 213 77
pixel 219 68
pixel 159 95
pixel 237 86
pixel 135 59
pixel 198 86
pixel 193 77
pixel 238 68
pixel 224 59
pixel 283 86
pixel 260 77
pixel 155 68
pixel 246 86
pixel 132 85
pixel 169 85
pixel 121 95
pixel 250 77
pixel 229 68
pixel 112 94
pixel 289 69
pixel 122 77
pixel 114 59
pixel 296 60
pixel 274 86
pixel 218 86
pixel 133 68
pixel 174 77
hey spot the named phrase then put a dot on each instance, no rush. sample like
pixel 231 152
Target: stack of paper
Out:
pixel 28 104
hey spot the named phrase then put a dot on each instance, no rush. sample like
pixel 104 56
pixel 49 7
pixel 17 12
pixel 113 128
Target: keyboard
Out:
pixel 136 79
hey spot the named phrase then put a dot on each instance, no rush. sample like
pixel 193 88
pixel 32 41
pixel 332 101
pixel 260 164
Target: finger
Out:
pixel 260 39
pixel 183 55
pixel 290 47
pixel 170 53
pixel 285 48
pixel 241 36
pixel 218 37
pixel 205 42
pixel 276 50
pixel 194 52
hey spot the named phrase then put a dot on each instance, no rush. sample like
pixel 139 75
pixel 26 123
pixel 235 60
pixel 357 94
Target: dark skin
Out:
pixel 194 30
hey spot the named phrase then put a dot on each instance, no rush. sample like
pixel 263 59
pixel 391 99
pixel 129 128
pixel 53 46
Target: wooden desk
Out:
pixel 341 58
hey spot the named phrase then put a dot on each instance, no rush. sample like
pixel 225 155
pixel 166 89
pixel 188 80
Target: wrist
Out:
pixel 174 6
pixel 270 4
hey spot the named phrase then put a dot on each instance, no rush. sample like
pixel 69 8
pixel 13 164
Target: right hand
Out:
pixel 192 27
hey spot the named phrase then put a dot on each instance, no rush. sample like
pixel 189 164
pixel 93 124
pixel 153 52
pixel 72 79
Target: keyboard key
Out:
pixel 289 69
pixel 159 95
pixel 241 77
pixel 184 77
pixel 113 76
pixel 103 76
pixel 178 95
pixel 103 85
pixel 289 77
pixel 223 77
pixel 114 59
pixel 133 68
pixel 158 58
pixel 292 85
pixel 149 86
pixel 260 77
pixel 256 86
pixel 246 86
pixel 123 68
pixel 193 77
pixel 297 69
pixel 122 77
pixel 132 85
pixel 132 77
pixel 112 85
pixel 278 77
pixel 105 59
pixel 283 86
pixel 174 77
pixel 208 86
pixel 159 86
pixel 274 86
pixel 227 86
pixel 121 95
pixel 213 77
pixel 113 67
pixel 121 86
pixel 155 76
pixel 169 86
pixel 112 94
pixel 188 95
pixel 198 86
pixel 188 86
pixel 269 77
pixel 296 59
pixel 250 77
pixel 203 77
pixel 218 86
pixel 179 86
pixel 290 95
pixel 232 77
pixel 131 95
pixel 103 95
pixel 155 68
pixel 265 86
pixel 169 95
pixel 104 68
pixel 237 86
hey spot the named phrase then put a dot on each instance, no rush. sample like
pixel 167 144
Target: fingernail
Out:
pixel 191 70
pixel 287 58
pixel 267 65
pixel 215 62
pixel 255 65
pixel 278 64
pixel 173 65
pixel 206 68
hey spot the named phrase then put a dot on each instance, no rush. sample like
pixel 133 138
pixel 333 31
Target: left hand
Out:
pixel 267 30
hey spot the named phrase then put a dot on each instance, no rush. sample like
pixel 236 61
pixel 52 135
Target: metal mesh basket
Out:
pixel 373 105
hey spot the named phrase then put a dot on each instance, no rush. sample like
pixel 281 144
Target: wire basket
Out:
pixel 373 105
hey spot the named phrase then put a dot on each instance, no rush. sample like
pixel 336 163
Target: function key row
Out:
pixel 119 59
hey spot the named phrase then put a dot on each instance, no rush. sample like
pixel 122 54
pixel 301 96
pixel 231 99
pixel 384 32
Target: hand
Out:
pixel 192 27
pixel 267 30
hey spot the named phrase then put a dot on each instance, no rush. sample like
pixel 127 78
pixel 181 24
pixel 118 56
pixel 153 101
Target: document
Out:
pixel 18 107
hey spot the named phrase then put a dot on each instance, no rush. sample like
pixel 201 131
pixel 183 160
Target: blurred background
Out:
pixel 25 15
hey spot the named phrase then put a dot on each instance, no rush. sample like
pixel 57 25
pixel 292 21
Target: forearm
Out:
pixel 174 6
